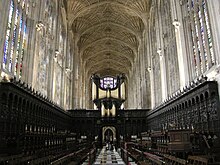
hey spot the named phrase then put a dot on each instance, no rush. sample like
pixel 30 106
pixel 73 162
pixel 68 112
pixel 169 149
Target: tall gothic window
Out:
pixel 22 48
pixel 199 35
pixel 8 32
pixel 15 39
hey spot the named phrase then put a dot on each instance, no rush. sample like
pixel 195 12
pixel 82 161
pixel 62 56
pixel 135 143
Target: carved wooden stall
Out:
pixel 146 140
pixel 159 142
pixel 179 141
pixel 191 118
pixel 132 150
pixel 32 128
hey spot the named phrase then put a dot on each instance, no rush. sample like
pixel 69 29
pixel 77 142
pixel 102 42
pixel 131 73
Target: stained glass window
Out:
pixel 18 46
pixel 8 32
pixel 15 39
pixel 204 7
pixel 108 82
pixel 201 35
pixel 22 49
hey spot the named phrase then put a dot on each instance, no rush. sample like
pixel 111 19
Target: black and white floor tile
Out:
pixel 107 157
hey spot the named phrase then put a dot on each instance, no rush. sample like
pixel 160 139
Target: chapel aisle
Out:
pixel 107 157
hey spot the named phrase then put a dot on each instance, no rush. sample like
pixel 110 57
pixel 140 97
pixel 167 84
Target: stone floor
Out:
pixel 107 157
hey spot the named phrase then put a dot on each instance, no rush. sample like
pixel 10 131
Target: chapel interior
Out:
pixel 106 82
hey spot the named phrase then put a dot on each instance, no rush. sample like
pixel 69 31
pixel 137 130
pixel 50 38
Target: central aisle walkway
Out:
pixel 107 157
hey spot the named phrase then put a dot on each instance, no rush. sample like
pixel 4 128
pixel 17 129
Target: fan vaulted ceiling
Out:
pixel 109 32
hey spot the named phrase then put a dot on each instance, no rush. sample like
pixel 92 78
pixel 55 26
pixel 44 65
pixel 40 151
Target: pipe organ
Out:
pixel 108 94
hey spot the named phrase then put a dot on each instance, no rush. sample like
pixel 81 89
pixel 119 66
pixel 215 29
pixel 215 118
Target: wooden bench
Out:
pixel 12 157
pixel 197 160
pixel 169 159
pixel 154 159
pixel 145 162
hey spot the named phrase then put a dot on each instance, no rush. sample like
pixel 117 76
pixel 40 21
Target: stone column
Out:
pixel 130 94
pixel 88 91
pixel 182 63
pixel 31 49
pixel 138 83
pixel 147 76
pixel 80 86
pixel 71 66
pixel 63 75
pixel 143 78
pixel 140 77
pixel 83 84
pixel 143 96
pixel 52 62
pixel 131 90
pixel 149 67
pixel 160 52
pixel 29 56
pixel 152 87
pixel 75 75
pixel 163 74
pixel 34 44
pixel 180 41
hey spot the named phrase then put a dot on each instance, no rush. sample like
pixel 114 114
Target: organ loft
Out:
pixel 109 82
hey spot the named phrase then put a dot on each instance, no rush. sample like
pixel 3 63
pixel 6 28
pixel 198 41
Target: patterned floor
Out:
pixel 107 157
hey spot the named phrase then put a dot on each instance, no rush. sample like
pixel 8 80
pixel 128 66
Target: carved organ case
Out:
pixel 108 94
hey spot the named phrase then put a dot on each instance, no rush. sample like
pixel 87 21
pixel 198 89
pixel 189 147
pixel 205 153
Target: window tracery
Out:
pixel 108 82
pixel 15 39
pixel 200 36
